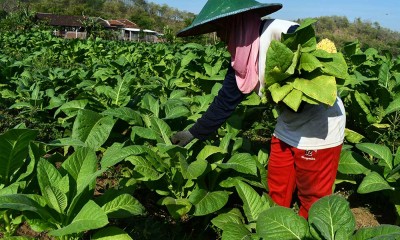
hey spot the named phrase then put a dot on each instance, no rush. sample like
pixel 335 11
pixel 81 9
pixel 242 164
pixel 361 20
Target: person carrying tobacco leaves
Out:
pixel 306 145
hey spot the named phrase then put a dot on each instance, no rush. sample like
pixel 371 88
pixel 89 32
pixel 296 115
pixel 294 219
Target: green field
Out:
pixel 85 150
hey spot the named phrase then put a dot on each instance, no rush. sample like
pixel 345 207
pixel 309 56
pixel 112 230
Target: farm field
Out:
pixel 85 149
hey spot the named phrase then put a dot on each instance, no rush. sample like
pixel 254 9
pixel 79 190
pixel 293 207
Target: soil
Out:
pixel 364 218
pixel 25 230
pixel 369 210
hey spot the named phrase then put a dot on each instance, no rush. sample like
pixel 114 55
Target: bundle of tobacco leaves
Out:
pixel 298 69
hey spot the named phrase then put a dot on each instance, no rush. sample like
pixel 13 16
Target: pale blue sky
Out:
pixel 385 12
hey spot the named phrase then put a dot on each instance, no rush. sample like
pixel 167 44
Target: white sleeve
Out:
pixel 272 30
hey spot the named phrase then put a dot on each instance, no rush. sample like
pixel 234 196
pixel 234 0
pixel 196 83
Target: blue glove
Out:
pixel 182 138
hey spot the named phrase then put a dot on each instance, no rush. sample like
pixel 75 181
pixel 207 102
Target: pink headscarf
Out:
pixel 243 45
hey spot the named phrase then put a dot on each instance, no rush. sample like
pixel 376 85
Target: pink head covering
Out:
pixel 243 45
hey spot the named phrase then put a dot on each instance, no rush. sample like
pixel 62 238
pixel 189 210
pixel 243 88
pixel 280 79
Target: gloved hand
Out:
pixel 182 138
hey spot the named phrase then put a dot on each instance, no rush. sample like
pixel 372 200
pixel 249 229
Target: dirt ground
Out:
pixel 364 218
pixel 369 210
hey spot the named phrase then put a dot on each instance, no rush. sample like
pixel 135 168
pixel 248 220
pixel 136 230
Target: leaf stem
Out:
pixel 7 222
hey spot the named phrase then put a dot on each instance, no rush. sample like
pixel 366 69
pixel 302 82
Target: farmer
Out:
pixel 306 144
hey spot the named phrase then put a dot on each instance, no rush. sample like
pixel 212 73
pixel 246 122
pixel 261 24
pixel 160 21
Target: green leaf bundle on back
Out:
pixel 300 70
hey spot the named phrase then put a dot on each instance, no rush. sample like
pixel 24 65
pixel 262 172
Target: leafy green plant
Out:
pixel 378 166
pixel 18 159
pixel 64 207
pixel 370 94
pixel 329 218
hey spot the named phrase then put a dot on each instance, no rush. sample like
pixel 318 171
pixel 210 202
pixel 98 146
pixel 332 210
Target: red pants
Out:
pixel 313 172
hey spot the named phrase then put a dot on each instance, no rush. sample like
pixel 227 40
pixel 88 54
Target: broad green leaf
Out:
pixel 162 129
pixel 209 150
pixel 294 65
pixel 373 182
pixel 92 128
pixel 121 91
pixel 21 105
pixel 116 153
pixel 207 202
pixel 11 189
pixel 151 104
pixel 123 206
pixel 393 106
pixel 384 74
pixel 71 108
pixel 47 175
pixel 251 99
pixel 14 145
pixel 176 112
pixel 103 73
pixel 293 99
pixel 212 70
pixel 241 162
pixel 381 125
pixel 381 152
pixel 321 88
pixel 193 170
pixel 263 157
pixel 278 93
pixel 309 100
pixel 352 136
pixel 144 168
pixel 235 231
pixel 171 150
pixel 90 217
pixel 383 231
pixel 303 36
pixel 253 204
pixel 67 142
pixel 319 53
pixel 309 62
pixel 396 163
pixel 35 152
pixel 127 114
pixel 281 223
pixel 81 166
pixel 111 233
pixel 202 102
pixel 21 202
pixel 336 68
pixel 143 132
pixel 176 207
pixel 55 198
pixel 279 60
pixel 177 94
pixel 331 218
pixel 188 58
pixel 362 101
pixel 233 216
pixel 352 163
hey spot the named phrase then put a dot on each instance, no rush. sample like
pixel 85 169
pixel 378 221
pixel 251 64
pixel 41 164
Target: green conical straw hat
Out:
pixel 216 10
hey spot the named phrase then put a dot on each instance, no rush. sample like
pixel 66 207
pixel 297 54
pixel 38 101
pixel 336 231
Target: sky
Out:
pixel 385 12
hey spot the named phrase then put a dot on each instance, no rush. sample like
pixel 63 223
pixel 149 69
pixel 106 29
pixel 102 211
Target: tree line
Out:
pixel 146 15
pixel 168 20
pixel 370 34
